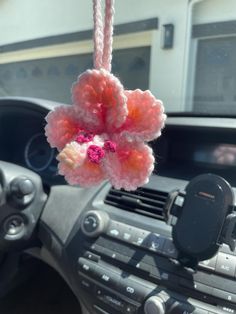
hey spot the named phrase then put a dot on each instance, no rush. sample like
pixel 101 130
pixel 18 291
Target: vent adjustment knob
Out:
pixel 94 223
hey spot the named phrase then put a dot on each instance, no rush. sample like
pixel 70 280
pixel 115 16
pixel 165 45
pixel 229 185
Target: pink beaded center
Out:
pixel 95 153
pixel 84 138
pixel 110 146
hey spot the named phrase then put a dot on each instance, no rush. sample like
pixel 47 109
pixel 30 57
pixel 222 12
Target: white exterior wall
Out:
pixel 22 20
pixel 210 11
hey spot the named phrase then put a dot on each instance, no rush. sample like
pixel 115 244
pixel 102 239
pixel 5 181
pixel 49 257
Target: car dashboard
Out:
pixel 113 247
pixel 22 125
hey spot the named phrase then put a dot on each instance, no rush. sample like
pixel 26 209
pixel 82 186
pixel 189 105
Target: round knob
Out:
pixel 22 192
pixel 94 223
pixel 22 187
pixel 154 305
pixel 14 225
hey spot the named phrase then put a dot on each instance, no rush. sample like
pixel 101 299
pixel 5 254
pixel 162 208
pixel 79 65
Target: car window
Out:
pixel 184 53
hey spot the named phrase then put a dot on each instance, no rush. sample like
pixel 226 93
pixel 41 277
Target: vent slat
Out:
pixel 148 200
pixel 143 201
pixel 145 194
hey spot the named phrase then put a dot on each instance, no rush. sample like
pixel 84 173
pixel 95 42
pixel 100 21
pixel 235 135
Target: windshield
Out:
pixel 183 51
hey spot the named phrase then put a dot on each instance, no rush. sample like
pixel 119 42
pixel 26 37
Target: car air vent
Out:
pixel 143 201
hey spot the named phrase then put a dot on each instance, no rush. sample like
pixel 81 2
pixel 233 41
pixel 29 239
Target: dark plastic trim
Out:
pixel 214 29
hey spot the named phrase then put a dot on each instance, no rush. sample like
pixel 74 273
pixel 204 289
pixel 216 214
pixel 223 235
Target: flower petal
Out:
pixel 62 126
pixel 145 116
pixel 99 98
pixel 87 175
pixel 130 166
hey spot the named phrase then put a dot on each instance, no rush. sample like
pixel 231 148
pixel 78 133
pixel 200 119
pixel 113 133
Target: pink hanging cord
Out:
pixel 104 134
pixel 98 34
pixel 103 34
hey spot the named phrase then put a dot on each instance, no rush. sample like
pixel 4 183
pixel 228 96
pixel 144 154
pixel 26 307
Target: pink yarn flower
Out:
pixel 103 134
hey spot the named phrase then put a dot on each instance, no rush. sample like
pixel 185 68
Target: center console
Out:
pixel 127 264
pixel 125 258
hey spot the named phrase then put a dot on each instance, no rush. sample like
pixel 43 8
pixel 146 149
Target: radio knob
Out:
pixel 94 223
pixel 154 305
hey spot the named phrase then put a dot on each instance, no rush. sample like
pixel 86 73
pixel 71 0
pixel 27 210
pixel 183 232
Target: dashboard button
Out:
pixel 130 309
pixel 169 249
pixel 107 252
pixel 86 284
pixel 209 263
pixel 134 289
pixel 225 249
pixel 91 256
pixel 124 258
pixel 110 299
pixel 114 229
pixel 127 233
pixel 124 250
pixel 154 242
pixel 141 237
pixel 86 266
pixel 226 264
pixel 107 277
pixel 196 286
pixel 227 296
pixel 120 257
pixel 203 288
pixel 93 247
pixel 142 266
pixel 202 277
pixel 225 310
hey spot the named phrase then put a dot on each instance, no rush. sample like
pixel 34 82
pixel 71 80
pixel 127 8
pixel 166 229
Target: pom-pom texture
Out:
pixel 103 134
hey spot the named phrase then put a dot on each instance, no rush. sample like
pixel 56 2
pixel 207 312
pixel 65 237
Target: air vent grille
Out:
pixel 144 201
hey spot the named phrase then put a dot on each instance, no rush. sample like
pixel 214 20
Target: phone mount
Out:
pixel 202 218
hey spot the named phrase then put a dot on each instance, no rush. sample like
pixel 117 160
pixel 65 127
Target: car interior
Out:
pixel 166 247
pixel 114 248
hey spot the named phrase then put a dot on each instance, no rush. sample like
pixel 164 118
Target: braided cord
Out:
pixel 98 33
pixel 103 34
pixel 108 33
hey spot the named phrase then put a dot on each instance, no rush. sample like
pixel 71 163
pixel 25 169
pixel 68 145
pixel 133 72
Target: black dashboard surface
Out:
pixel 187 150
pixel 22 139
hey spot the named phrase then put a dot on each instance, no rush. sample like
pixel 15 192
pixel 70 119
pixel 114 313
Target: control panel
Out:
pixel 127 293
pixel 127 269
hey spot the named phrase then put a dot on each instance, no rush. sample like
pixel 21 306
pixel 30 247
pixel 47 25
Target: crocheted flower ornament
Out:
pixel 101 136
